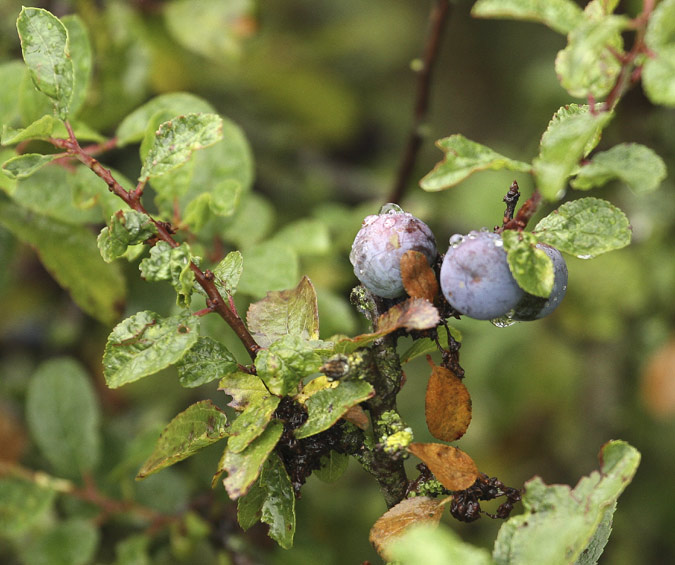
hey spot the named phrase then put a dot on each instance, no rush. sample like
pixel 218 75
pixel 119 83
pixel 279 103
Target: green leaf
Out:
pixel 222 200
pixel 269 266
pixel 634 164
pixel 661 26
pixel 560 15
pixel 63 416
pixel 195 428
pixel 39 129
pixel 531 267
pixel 657 76
pixel 244 389
pixel 585 228
pixel 559 523
pixel 23 166
pixel 12 74
pixel 285 363
pixel 287 312
pixel 133 127
pixel 244 468
pixel 426 345
pixel 70 254
pixel 327 406
pixel 251 223
pixel 306 237
pixel 126 228
pixel 278 509
pixel 464 157
pixel 133 550
pixel 206 361
pixel 70 542
pixel 176 141
pixel 588 65
pixel 44 43
pixel 80 53
pixel 146 343
pixel 251 423
pixel 435 545
pixel 167 263
pixel 591 555
pixel 571 135
pixel 333 467
pixel 249 506
pixel 23 504
pixel 228 272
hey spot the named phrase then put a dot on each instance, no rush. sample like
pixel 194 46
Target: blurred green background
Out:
pixel 324 92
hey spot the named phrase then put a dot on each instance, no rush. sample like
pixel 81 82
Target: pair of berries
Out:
pixel 475 276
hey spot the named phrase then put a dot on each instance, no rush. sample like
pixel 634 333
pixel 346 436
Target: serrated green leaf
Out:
pixel 23 503
pixel 634 164
pixel 435 545
pixel 167 263
pixel 571 135
pixel 72 542
pixel 23 166
pixel 39 129
pixel 588 66
pixel 244 389
pixel 285 363
pixel 70 254
pixel 63 416
pixel 80 53
pixel 287 312
pixel 249 506
pixel 228 272
pixel 559 523
pixel 327 406
pixel 464 157
pixel 176 141
pixel 146 343
pixel 657 76
pixel 197 427
pixel 585 228
pixel 126 228
pixel 206 361
pixel 426 345
pixel 531 267
pixel 333 467
pixel 244 468
pixel 251 423
pixel 278 509
pixel 306 237
pixel 560 15
pixel 591 555
pixel 269 266
pixel 44 43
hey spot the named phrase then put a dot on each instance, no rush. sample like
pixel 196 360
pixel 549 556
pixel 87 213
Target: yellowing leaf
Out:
pixel 453 468
pixel 447 406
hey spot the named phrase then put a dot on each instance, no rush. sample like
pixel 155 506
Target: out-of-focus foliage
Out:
pixel 323 91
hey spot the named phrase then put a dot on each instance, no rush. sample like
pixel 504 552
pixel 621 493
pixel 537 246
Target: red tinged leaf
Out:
pixel 393 523
pixel 413 314
pixel 453 468
pixel 448 404
pixel 419 279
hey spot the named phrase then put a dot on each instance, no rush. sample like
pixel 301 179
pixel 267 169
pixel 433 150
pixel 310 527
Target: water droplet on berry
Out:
pixel 369 220
pixel 585 256
pixel 504 321
pixel 391 208
pixel 498 242
pixel 389 222
pixel 456 239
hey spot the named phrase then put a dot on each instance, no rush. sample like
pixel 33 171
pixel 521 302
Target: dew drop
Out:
pixel 391 208
pixel 389 222
pixel 585 256
pixel 504 321
pixel 456 239
pixel 498 242
pixel 369 220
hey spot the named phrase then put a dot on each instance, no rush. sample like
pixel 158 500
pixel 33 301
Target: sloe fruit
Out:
pixel 475 276
pixel 535 307
pixel 380 244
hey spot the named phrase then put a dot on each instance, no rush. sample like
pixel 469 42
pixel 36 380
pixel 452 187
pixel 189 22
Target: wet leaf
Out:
pixel 531 267
pixel 173 264
pixel 125 228
pixel 39 129
pixel 23 166
pixel 560 15
pixel 251 423
pixel 448 404
pixel 206 361
pixel 333 467
pixel 426 345
pixel 413 314
pixel 228 272
pixel 285 312
pixel 244 388
pixel 419 279
pixel 278 509
pixel 394 523
pixel 453 468
pixel 195 428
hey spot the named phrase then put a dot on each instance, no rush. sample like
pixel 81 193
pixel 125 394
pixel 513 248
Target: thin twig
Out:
pixel 437 18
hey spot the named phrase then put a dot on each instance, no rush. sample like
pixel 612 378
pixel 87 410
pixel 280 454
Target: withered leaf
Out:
pixel 419 279
pixel 357 416
pixel 448 404
pixel 453 468
pixel 393 523
pixel 413 314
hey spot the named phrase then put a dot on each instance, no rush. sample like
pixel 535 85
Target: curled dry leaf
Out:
pixel 448 404
pixel 357 416
pixel 453 468
pixel 419 279
pixel 413 314
pixel 394 522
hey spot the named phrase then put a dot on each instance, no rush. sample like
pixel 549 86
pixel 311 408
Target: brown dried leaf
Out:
pixel 357 416
pixel 413 314
pixel 448 404
pixel 453 468
pixel 419 279
pixel 393 523
pixel 658 382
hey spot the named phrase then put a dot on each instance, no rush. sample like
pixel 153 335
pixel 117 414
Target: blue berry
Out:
pixel 380 244
pixel 476 279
